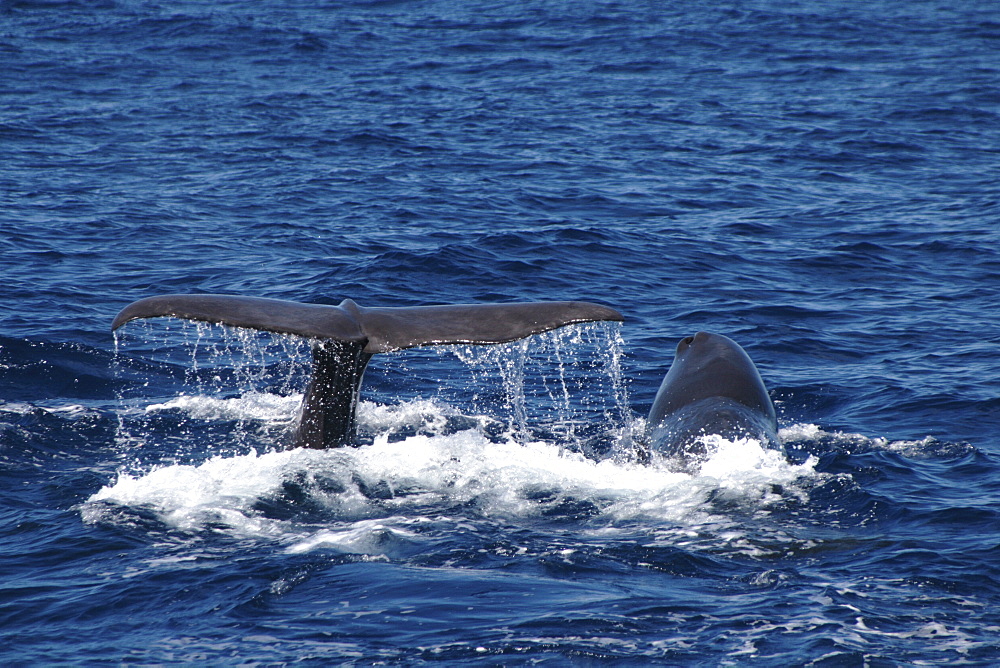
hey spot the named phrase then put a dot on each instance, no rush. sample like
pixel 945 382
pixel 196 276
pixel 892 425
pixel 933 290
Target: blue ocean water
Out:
pixel 819 181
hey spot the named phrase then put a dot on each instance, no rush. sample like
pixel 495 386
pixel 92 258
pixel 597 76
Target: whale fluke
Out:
pixel 382 329
pixel 348 335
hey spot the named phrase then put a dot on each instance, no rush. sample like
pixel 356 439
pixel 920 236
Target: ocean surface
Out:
pixel 819 181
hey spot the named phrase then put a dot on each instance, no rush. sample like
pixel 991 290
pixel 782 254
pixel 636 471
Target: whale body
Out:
pixel 711 388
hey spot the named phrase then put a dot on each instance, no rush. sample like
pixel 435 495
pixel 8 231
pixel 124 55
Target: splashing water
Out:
pixel 387 486
pixel 516 432
pixel 243 386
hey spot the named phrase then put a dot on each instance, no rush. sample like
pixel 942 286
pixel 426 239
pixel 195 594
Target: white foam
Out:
pixel 428 475
pixel 362 537
pixel 70 411
pixel 220 490
pixel 427 414
pixel 746 461
pixel 811 432
pixel 260 406
pixel 800 432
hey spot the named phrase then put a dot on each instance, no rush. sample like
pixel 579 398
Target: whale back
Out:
pixel 712 387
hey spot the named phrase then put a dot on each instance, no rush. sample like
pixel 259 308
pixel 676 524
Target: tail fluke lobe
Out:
pixel 382 329
pixel 397 328
pixel 350 334
pixel 314 321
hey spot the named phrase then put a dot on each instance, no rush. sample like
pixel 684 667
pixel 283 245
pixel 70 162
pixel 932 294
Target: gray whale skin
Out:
pixel 712 387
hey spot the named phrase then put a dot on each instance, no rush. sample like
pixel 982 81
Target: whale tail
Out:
pixel 347 335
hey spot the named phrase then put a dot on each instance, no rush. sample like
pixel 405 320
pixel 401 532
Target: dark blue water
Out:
pixel 818 180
